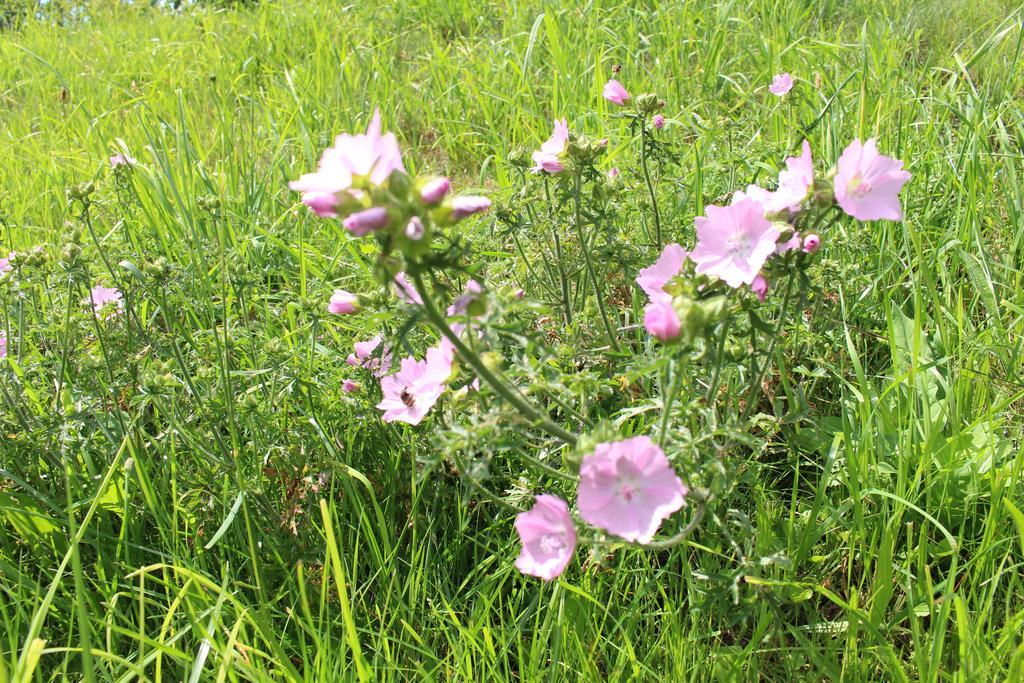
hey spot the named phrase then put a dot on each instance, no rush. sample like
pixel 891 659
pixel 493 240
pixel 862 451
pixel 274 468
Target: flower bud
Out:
pixel 434 191
pixel 363 222
pixel 414 229
pixel 469 205
pixel 343 303
pixel 662 321
pixel 812 243
pixel 658 121
pixel 648 103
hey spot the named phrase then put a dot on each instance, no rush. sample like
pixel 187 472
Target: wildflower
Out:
pixel 653 279
pixel 121 160
pixel 658 121
pixel 3 344
pixel 549 157
pixel 811 243
pixel 462 302
pixel 440 360
pixel 414 229
pixel 5 263
pixel 348 386
pixel 343 302
pixel 363 356
pixel 370 155
pixel 661 320
pixel 796 182
pixel 366 221
pixel 519 294
pixel 792 243
pixel 613 173
pixel 615 93
pixel 406 291
pixel 410 393
pixel 760 287
pixel 781 84
pixel 868 184
pixel 734 241
pixel 102 297
pixel 628 487
pixel 469 205
pixel 435 190
pixel 548 537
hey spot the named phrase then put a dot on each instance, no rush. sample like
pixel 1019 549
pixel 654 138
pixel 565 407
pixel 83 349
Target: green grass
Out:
pixel 160 481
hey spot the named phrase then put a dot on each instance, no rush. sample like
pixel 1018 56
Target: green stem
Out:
pixel 506 391
pixel 608 328
pixel 566 302
pixel 650 185
pixel 755 387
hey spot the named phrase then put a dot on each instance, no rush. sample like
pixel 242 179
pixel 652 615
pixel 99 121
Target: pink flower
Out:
pixel 653 279
pixel 440 360
pixel 548 157
pixel 5 263
pixel 469 205
pixel 369 155
pixel 759 287
pixel 410 393
pixel 366 221
pixel 613 173
pixel 615 93
pixel 435 190
pixel 811 243
pixel 343 302
pixel 462 302
pixel 781 84
pixel 519 294
pixel 661 320
pixel 105 296
pixel 406 291
pixel 378 365
pixel 868 184
pixel 792 243
pixel 658 121
pixel 3 344
pixel 348 386
pixel 796 182
pixel 548 537
pixel 628 487
pixel 733 242
pixel 121 160
pixel 352 360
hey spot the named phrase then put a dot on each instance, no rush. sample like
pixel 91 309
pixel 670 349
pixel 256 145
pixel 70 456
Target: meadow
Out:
pixel 196 485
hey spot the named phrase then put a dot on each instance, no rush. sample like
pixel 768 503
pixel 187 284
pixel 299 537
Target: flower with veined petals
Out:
pixel 406 291
pixel 468 205
pixel 661 320
pixel 734 241
pixel 369 155
pixel 343 303
pixel 868 184
pixel 548 157
pixel 628 487
pixel 410 393
pixel 653 279
pixel 102 297
pixel 548 537
pixel 760 287
pixel 812 243
pixel 781 84
pixel 615 93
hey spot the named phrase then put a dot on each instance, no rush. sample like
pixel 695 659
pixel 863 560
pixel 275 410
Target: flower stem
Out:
pixel 506 391
pixel 650 185
pixel 590 264
pixel 755 387
pixel 566 303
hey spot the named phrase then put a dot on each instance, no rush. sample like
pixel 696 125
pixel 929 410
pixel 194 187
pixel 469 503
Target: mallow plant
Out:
pixel 517 362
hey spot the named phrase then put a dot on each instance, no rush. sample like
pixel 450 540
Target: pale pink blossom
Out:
pixel 760 287
pixel 468 205
pixel 352 360
pixel 653 279
pixel 628 487
pixel 812 243
pixel 792 243
pixel 781 84
pixel 435 190
pixel 410 393
pixel 661 320
pixel 658 121
pixel 796 182
pixel 519 294
pixel 440 360
pixel 734 241
pixel 370 155
pixel 406 291
pixel 755 192
pixel 462 302
pixel 348 386
pixel 414 229
pixel 549 157
pixel 868 184
pixel 548 537
pixel 121 160
pixel 613 173
pixel 103 297
pixel 366 221
pixel 378 364
pixel 615 93
pixel 343 303
pixel 3 344
pixel 5 263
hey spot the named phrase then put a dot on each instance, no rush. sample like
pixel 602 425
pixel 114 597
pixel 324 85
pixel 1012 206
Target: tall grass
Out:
pixel 160 479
